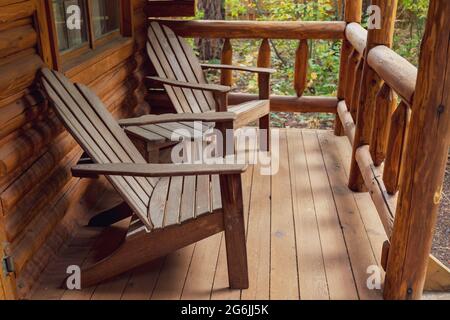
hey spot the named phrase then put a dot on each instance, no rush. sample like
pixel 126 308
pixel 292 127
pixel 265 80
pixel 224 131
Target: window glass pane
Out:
pixel 105 16
pixel 70 22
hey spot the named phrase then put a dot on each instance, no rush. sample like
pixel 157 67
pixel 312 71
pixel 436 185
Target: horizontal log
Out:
pixel 35 201
pixel 384 203
pixel 303 104
pixel 16 24
pixel 113 79
pixel 294 30
pixel 28 116
pixel 159 99
pixel 347 121
pixel 39 230
pixel 19 104
pixel 17 39
pixel 37 172
pixel 61 232
pixel 19 74
pixel 16 11
pixel 357 36
pixel 35 138
pixel 395 70
pixel 13 153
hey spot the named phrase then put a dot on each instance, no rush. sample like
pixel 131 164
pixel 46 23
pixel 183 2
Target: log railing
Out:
pixel 384 135
pixel 375 76
pixel 266 31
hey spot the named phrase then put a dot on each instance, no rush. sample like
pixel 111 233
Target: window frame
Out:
pixel 92 44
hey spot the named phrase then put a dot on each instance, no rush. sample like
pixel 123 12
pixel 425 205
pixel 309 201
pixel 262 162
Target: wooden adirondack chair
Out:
pixel 182 76
pixel 173 205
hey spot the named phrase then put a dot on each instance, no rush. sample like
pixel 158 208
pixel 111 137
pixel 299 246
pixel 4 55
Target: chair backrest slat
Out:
pixel 173 58
pixel 97 132
pixel 196 68
pixel 164 70
pixel 177 68
pixel 185 65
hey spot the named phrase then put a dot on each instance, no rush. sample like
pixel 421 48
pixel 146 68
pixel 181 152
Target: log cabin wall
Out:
pixel 40 202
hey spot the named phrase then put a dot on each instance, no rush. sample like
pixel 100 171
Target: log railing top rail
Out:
pixel 395 70
pixel 357 36
pixel 295 30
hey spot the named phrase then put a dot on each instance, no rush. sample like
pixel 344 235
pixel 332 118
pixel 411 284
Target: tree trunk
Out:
pixel 213 10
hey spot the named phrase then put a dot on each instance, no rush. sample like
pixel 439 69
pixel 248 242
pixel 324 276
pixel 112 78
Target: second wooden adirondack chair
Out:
pixel 173 205
pixel 182 75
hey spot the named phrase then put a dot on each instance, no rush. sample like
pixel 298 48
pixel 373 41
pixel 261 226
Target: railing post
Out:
pixel 353 13
pixel 226 77
pixel 301 67
pixel 424 162
pixel 370 86
pixel 386 103
pixel 264 61
pixel 354 73
pixel 396 145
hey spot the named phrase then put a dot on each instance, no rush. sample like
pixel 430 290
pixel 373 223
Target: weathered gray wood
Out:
pixel 181 74
pixel 156 193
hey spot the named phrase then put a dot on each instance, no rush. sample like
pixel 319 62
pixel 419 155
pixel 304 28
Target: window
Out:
pixel 82 25
pixel 69 38
pixel 106 17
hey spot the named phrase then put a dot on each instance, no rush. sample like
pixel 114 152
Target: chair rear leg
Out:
pixel 264 126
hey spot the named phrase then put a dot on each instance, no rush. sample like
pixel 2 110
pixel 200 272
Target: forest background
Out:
pixel 323 64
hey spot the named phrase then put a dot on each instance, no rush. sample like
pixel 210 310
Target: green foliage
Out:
pixel 324 55
pixel 323 63
pixel 410 25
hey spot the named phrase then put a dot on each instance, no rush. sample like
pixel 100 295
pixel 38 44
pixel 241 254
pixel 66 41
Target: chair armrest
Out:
pixel 179 117
pixel 156 170
pixel 238 68
pixel 196 86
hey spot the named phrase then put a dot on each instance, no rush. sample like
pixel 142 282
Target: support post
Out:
pixel 353 13
pixel 424 164
pixel 226 77
pixel 370 86
pixel 264 61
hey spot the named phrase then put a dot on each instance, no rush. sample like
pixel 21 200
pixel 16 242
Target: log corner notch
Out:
pixel 353 13
pixel 425 162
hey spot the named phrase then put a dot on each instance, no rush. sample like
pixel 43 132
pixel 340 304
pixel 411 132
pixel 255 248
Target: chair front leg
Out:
pixel 227 131
pixel 233 209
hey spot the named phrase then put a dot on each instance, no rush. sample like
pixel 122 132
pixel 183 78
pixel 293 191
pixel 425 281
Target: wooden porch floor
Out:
pixel 308 237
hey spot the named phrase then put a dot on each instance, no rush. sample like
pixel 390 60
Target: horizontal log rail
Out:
pixel 357 36
pixel 347 121
pixel 304 104
pixel 384 202
pixel 395 70
pixel 288 30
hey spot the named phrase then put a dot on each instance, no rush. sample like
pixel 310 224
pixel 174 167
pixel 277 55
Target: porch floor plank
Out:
pixel 308 237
